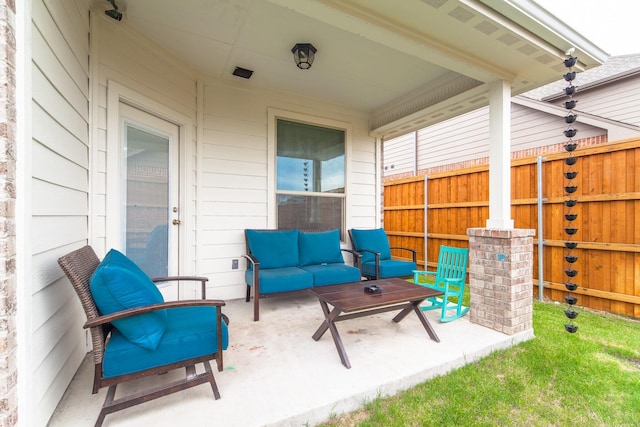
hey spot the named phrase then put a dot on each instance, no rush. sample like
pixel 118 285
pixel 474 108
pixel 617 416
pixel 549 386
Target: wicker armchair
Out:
pixel 200 318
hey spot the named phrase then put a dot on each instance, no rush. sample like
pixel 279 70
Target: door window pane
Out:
pixel 147 209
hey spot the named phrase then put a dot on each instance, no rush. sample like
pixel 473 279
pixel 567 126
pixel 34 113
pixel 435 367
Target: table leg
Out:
pixel 408 309
pixel 325 324
pixel 415 306
pixel 329 323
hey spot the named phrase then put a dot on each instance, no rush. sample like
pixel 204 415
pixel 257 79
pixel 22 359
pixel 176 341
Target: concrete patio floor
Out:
pixel 275 374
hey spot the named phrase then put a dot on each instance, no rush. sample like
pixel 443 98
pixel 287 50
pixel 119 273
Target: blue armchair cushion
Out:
pixel 374 240
pixel 320 247
pixel 118 284
pixel 333 274
pixel 281 279
pixel 389 268
pixel 190 332
pixel 274 248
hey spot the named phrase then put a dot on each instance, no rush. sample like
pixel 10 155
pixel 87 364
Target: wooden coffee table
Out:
pixel 351 299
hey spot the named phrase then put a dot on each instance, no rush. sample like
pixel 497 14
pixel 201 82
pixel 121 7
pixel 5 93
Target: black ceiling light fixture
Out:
pixel 304 54
pixel 113 13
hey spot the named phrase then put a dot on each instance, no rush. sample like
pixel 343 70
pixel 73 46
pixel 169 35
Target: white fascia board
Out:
pixel 533 17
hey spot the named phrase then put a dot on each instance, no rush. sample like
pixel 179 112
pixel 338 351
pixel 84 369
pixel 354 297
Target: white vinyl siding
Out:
pixel 232 182
pixel 532 129
pixel 399 154
pixel 454 141
pixel 158 84
pixel 466 138
pixel 235 192
pixel 618 101
pixel 59 198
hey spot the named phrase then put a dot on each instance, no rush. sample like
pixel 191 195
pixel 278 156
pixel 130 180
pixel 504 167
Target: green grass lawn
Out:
pixel 590 378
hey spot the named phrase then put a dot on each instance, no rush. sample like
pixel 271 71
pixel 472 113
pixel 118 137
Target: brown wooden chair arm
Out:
pixel 357 257
pixel 253 260
pixel 377 260
pixel 203 281
pixel 413 251
pixel 370 251
pixel 173 278
pixel 108 318
pixel 255 267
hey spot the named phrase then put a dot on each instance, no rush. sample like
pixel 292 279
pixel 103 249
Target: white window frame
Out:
pixel 273 116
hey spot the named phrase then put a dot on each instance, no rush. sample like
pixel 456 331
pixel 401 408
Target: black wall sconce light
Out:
pixel 113 13
pixel 304 54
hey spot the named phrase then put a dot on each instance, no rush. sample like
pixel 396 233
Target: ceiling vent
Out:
pixel 242 72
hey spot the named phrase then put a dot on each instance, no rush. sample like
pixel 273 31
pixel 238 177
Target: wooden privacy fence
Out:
pixel 441 206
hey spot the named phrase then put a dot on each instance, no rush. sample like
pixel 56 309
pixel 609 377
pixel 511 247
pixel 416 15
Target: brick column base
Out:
pixel 501 279
pixel 8 283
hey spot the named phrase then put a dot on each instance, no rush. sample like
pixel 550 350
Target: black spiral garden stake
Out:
pixel 570 188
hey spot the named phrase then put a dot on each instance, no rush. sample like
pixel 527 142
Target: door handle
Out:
pixel 176 222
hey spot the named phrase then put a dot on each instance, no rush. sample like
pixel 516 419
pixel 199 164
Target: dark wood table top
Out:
pixel 350 297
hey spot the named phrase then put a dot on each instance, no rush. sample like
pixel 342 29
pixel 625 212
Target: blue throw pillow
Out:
pixel 118 284
pixel 319 248
pixel 374 240
pixel 274 248
pixel 117 258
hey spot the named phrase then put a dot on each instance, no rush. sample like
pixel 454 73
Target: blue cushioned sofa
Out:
pixel 294 260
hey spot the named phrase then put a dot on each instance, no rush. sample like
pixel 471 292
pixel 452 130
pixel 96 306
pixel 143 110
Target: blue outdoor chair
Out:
pixel 376 261
pixel 449 278
pixel 136 334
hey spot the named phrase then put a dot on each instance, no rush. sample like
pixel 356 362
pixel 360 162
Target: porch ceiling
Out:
pixel 406 64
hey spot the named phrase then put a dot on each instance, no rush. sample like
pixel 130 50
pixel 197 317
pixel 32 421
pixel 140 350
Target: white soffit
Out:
pixel 405 63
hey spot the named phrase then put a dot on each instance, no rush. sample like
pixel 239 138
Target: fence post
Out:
pixel 540 232
pixel 426 222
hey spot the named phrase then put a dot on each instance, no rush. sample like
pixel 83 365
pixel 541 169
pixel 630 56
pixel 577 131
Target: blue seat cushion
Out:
pixel 281 279
pixel 333 274
pixel 190 332
pixel 374 240
pixel 274 248
pixel 319 247
pixel 118 284
pixel 389 268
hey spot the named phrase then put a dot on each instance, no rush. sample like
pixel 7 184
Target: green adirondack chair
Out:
pixel 449 278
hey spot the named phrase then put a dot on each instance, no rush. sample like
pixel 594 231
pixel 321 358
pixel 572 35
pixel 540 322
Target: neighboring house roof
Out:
pixel 616 130
pixel 615 78
pixel 614 68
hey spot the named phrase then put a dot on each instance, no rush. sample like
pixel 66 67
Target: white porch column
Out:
pixel 500 155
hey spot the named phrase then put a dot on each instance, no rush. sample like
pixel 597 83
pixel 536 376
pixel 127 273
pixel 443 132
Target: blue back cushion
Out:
pixel 374 240
pixel 118 284
pixel 274 248
pixel 320 248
